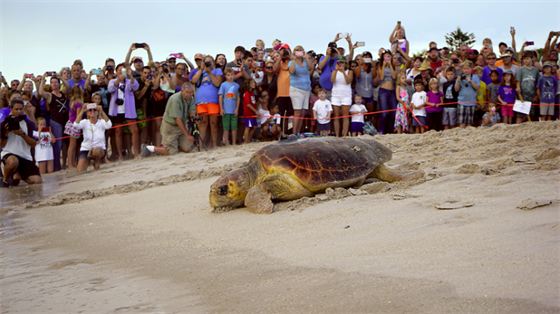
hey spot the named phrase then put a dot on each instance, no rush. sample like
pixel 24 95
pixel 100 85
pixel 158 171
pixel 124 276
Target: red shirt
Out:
pixel 249 99
pixel 436 65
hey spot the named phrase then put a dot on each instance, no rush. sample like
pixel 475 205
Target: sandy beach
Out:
pixel 478 234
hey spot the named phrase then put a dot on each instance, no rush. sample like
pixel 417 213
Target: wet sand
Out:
pixel 140 236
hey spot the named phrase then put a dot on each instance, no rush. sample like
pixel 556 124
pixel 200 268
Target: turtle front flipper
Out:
pixel 385 174
pixel 259 200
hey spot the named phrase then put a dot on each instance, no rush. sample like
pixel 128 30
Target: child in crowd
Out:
pixel 270 122
pixel 480 95
pixel 506 95
pixel 250 109
pixel 492 89
pixel 258 73
pixel 76 102
pixel 322 111
pixel 449 119
pixel 229 105
pixel 527 77
pixel 314 97
pixel 433 105
pixel 401 122
pixel 357 110
pixel 491 117
pixel 418 103
pixel 44 149
pixel 546 90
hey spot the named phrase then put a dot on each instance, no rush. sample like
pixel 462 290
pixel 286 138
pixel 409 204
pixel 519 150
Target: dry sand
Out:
pixel 140 236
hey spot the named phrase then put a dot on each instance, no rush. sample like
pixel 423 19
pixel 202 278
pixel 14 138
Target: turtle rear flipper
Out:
pixel 385 174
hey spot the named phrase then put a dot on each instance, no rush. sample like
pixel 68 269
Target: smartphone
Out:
pixel 137 45
pixel 360 43
pixel 176 55
pixel 97 71
pixel 52 73
pixel 366 60
pixel 269 50
pixel 529 43
pixel 28 75
pixel 342 35
pixel 512 29
pixel 399 23
pixel 299 53
pixel 149 76
pixel 259 64
pixel 123 71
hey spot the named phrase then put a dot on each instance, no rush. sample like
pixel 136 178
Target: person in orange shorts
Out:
pixel 207 81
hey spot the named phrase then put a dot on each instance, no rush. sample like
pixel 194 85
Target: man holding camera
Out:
pixel 16 144
pixel 175 137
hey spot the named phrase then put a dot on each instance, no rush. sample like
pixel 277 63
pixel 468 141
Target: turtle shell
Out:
pixel 319 163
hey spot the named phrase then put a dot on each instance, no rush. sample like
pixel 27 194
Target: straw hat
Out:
pixel 425 65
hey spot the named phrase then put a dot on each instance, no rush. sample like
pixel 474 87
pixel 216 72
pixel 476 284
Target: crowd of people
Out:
pixel 68 118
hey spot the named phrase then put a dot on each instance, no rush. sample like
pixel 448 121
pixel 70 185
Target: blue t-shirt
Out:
pixel 231 94
pixel 325 79
pixel 467 92
pixel 547 85
pixel 486 75
pixel 300 79
pixel 507 93
pixel 71 83
pixel 207 91
pixel 4 112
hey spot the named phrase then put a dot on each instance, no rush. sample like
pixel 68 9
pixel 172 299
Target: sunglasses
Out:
pixel 269 67
pixel 172 61
pixel 92 109
pixel 490 58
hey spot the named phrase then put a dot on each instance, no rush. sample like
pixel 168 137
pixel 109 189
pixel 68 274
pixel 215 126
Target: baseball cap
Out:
pixel 547 64
pixel 508 72
pixel 136 58
pixel 198 56
pixel 169 58
pixel 285 46
pixel 433 48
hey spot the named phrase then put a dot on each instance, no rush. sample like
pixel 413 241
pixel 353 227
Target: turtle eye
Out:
pixel 222 190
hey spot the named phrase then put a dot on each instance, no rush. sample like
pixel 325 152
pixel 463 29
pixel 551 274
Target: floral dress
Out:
pixel 400 117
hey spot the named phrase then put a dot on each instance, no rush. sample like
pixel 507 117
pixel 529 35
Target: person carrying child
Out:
pixel 403 101
pixel 322 111
pixel 44 149
pixel 229 105
pixel 357 110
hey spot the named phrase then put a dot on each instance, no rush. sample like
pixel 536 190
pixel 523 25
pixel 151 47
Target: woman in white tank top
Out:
pixel 341 97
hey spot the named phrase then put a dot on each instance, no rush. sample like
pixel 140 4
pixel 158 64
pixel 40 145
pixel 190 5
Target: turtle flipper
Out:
pixel 385 174
pixel 258 200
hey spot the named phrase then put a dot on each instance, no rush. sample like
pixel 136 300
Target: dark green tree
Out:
pixel 458 38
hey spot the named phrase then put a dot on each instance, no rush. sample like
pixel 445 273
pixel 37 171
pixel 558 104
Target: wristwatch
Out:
pixel 23 135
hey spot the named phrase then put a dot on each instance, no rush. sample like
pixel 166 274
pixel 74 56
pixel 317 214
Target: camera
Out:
pixel 13 122
pixel 332 45
pixel 119 102
pixel 165 68
pixel 110 68
pixel 208 64
pixel 463 77
pixel 195 118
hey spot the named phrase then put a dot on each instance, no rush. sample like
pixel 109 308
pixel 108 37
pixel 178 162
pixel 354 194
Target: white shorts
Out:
pixel 341 100
pixel 300 98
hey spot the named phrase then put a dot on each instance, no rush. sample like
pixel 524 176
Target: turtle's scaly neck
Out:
pixel 255 171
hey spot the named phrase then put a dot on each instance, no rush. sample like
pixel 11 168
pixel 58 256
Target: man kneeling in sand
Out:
pixel 180 107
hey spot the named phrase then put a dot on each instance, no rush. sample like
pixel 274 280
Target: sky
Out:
pixel 39 36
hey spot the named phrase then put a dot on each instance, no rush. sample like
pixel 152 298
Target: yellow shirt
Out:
pixel 481 95
pixel 283 81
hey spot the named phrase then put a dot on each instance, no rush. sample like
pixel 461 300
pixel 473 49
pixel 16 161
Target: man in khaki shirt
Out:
pixel 175 137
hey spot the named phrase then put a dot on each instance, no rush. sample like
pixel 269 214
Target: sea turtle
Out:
pixel 291 169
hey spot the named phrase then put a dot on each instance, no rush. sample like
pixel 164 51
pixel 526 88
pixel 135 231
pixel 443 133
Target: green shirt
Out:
pixel 178 107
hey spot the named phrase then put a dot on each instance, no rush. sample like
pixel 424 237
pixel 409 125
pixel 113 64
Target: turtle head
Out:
pixel 230 189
